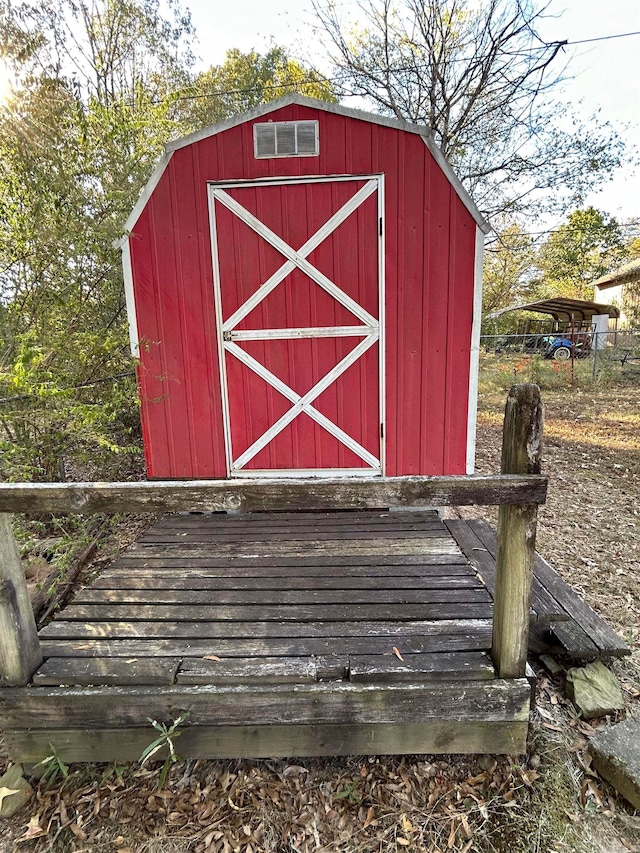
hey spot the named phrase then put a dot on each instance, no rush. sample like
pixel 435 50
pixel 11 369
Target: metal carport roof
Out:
pixel 563 309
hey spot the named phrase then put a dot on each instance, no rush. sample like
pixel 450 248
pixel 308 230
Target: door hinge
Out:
pixel 380 225
pixel 226 336
pixel 381 430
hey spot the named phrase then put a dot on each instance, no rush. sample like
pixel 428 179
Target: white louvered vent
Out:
pixel 285 139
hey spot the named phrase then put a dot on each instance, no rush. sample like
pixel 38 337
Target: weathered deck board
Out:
pixel 544 608
pixel 418 566
pixel 61 629
pixel 462 635
pixel 260 670
pixel 193 539
pixel 574 641
pixel 272 494
pixel 127 743
pixel 366 669
pixel 121 582
pixel 107 671
pixel 470 592
pixel 298 613
pixel 378 546
pixel 345 523
pixel 350 518
pixel 214 670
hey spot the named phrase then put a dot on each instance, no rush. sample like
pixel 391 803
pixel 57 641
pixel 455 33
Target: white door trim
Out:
pixel 371 329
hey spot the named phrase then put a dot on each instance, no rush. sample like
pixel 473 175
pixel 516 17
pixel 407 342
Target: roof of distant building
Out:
pixel 623 275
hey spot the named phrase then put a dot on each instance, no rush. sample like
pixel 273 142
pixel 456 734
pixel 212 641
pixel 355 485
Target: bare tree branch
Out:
pixel 483 80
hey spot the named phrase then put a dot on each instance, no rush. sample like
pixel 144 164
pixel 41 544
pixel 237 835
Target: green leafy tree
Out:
pixel 485 82
pixel 633 249
pixel 245 80
pixel 92 110
pixel 508 261
pixel 588 245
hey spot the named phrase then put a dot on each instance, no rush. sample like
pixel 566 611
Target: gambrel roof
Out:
pixel 313 103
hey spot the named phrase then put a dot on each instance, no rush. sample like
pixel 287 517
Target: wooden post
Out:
pixel 20 653
pixel 521 445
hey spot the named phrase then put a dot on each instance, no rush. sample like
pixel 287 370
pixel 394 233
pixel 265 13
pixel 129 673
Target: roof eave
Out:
pixel 625 274
pixel 313 103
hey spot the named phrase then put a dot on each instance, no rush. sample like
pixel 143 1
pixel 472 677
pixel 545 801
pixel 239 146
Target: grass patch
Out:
pixel 499 372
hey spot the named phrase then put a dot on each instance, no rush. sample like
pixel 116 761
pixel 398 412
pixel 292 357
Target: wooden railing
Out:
pixel 517 490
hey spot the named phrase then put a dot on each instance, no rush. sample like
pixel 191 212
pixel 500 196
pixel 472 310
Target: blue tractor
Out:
pixel 559 347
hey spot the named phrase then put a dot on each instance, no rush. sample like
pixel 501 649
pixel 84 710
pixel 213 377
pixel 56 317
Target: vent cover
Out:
pixel 285 139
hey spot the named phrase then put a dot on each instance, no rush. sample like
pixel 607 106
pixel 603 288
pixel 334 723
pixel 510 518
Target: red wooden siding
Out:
pixel 429 269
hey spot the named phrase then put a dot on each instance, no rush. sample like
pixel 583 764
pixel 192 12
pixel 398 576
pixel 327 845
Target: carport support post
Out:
pixel 521 445
pixel 20 653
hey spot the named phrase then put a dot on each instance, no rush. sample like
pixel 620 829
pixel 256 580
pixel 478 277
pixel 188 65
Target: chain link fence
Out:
pixel 607 352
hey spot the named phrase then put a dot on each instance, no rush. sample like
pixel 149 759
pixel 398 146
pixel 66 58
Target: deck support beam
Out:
pixel 20 653
pixel 521 449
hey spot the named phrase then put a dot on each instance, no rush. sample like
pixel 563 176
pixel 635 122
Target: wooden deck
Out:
pixel 287 634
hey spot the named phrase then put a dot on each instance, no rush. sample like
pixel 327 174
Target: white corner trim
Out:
pixel 147 190
pixel 474 364
pixel 127 272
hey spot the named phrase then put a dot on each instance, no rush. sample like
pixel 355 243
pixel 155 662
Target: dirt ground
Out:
pixel 549 801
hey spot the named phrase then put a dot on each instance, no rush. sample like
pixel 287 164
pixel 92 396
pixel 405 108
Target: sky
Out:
pixel 605 75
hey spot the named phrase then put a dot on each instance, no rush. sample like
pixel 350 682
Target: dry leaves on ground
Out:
pixel 349 805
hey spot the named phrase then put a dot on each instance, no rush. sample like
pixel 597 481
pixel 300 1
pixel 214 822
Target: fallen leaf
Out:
pixel 34 830
pixel 397 654
pixel 212 657
pixel 7 792
pixel 529 777
pixel 465 827
pixel 294 770
pixel 407 826
pixel 78 832
pixel 371 818
pixel 452 835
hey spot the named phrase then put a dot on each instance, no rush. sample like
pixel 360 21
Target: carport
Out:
pixel 568 314
pixel 584 323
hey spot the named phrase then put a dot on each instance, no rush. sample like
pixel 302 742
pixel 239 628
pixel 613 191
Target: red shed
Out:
pixel 304 289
